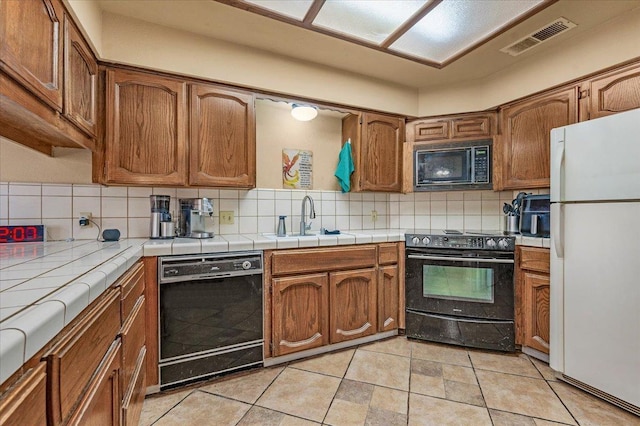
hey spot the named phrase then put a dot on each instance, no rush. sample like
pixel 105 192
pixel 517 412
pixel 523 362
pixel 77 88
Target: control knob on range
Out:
pixel 503 243
pixel 415 241
pixel 491 243
pixel 426 240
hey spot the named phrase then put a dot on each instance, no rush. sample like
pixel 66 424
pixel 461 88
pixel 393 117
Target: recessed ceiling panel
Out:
pixel 455 25
pixel 371 20
pixel 293 8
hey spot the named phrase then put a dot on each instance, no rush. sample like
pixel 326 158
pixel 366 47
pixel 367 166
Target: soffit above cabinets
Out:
pixel 285 40
pixel 430 32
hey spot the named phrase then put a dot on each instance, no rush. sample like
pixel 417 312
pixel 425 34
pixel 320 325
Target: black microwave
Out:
pixel 453 166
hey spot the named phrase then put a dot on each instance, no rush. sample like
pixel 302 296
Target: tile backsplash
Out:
pixel 58 206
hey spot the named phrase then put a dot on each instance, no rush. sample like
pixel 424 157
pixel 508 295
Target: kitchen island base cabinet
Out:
pixel 300 307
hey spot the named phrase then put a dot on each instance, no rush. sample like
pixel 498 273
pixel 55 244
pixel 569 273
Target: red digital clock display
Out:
pixel 21 233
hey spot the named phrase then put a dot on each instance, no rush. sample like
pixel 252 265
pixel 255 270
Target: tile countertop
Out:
pixel 44 286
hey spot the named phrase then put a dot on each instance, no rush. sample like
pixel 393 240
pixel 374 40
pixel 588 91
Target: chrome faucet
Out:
pixel 312 215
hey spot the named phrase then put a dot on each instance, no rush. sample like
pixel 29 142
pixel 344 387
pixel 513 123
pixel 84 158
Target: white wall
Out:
pixel 277 129
pixel 21 164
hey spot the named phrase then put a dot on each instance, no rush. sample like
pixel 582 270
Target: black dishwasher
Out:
pixel 211 315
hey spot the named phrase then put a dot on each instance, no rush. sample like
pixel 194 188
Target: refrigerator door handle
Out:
pixel 557 164
pixel 557 224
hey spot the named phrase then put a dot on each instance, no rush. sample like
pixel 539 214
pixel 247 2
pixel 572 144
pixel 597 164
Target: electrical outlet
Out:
pixel 374 215
pixel 85 219
pixel 227 218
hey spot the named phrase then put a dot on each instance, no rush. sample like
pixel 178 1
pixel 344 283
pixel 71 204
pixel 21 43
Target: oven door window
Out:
pixel 458 283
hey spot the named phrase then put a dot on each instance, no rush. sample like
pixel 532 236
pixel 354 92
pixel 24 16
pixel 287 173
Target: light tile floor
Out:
pixel 387 383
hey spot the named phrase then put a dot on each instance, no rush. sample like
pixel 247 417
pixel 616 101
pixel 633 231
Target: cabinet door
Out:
pixel 300 309
pixel 223 138
pixel 521 157
pixel 101 403
pixel 388 293
pixel 536 311
pixel 615 92
pixel 32 54
pixel 80 79
pixel 146 130
pixel 26 402
pixel 380 162
pixel 353 304
pixel 134 395
pixel 74 359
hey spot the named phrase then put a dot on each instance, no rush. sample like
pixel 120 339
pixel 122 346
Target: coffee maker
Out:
pixel 192 219
pixel 160 226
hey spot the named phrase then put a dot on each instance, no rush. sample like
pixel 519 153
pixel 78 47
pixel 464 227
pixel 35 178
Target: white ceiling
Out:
pixel 223 22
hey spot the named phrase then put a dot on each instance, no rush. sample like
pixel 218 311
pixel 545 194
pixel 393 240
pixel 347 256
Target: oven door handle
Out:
pixel 463 259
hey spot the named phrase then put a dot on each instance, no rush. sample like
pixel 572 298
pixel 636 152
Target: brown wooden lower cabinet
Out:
pixel 532 290
pixel 322 296
pixel 134 395
pixel 388 297
pixel 353 300
pixel 26 402
pixel 93 372
pixel 300 311
pixel 100 404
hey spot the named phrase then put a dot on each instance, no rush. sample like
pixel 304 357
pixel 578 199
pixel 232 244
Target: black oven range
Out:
pixel 459 288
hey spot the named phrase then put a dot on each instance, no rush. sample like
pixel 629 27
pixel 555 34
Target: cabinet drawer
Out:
pixel 387 254
pixel 134 395
pixel 132 341
pixel 26 403
pixel 471 126
pixel 132 287
pixel 75 358
pixel 534 259
pixel 431 130
pixel 312 260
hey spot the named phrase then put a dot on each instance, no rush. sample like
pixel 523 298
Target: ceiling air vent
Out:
pixel 545 33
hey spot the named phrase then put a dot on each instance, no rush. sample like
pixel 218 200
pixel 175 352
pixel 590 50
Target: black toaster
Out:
pixel 534 216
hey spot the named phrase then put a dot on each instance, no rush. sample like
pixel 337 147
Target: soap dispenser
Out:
pixel 282 227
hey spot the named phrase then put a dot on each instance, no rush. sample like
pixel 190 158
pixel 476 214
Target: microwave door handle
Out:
pixel 463 259
pixel 471 161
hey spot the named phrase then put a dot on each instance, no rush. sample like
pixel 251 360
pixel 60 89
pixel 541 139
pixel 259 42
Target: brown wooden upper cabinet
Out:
pixel 31 46
pixel 80 80
pixel 223 138
pixel 521 152
pixel 614 92
pixel 376 142
pixel 153 138
pixel 146 134
pixel 455 127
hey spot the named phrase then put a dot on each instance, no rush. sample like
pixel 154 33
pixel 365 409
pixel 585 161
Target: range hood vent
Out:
pixel 545 33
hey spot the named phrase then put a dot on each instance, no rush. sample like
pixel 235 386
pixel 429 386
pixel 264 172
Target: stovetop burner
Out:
pixel 455 239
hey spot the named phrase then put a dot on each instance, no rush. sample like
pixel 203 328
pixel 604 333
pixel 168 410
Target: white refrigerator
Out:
pixel 595 256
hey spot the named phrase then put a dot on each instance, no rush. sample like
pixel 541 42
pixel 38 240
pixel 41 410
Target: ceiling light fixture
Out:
pixel 303 112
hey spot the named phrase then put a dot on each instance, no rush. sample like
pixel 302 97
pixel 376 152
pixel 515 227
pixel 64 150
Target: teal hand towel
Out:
pixel 345 167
